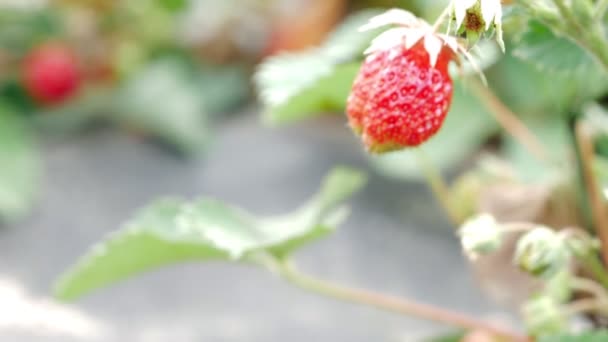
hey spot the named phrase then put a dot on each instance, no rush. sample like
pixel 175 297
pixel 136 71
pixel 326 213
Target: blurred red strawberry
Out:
pixel 50 73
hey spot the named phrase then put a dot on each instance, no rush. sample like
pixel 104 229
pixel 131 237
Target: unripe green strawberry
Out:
pixel 400 99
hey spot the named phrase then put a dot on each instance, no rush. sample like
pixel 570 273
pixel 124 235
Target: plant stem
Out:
pixel 598 208
pixel 438 185
pixel 508 120
pixel 394 304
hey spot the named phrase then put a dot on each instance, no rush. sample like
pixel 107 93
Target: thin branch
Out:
pixel 598 208
pixel 394 304
pixel 509 121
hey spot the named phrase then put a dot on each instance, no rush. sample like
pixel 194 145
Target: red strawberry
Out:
pixel 399 99
pixel 51 74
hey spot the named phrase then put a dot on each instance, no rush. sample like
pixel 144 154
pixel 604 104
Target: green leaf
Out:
pixel 171 231
pixel 295 86
pixel 591 336
pixel 328 93
pixel 163 99
pixel 20 28
pixel 566 73
pixel 20 170
pixel 466 127
pixel 540 46
pixel 150 240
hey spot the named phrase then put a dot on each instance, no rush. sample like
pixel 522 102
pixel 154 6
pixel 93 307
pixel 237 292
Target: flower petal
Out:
pixel 388 39
pixel 391 17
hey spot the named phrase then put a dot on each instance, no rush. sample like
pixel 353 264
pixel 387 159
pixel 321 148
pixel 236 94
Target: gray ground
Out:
pixel 394 241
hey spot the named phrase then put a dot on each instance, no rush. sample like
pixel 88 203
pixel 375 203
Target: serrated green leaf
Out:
pixel 150 240
pixel 567 74
pixel 540 46
pixel 20 170
pixel 171 231
pixel 467 126
pixel 591 336
pixel 294 86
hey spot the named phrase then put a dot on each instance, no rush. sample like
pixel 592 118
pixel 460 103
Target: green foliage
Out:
pixel 173 101
pixel 530 91
pixel 20 29
pixel 172 230
pixel 591 336
pixel 163 100
pixel 541 47
pixel 566 75
pixel 20 170
pixel 466 127
pixel 294 86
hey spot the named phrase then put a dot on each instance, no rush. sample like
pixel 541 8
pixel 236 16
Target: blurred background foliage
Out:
pixel 169 70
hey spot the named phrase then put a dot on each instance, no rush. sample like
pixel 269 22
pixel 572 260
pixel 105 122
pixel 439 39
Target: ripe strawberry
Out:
pixel 51 74
pixel 399 99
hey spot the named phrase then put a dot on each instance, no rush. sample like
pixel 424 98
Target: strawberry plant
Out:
pixel 528 202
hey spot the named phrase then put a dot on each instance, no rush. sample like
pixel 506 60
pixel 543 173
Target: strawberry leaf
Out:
pixel 20 160
pixel 295 86
pixel 171 231
pixel 539 46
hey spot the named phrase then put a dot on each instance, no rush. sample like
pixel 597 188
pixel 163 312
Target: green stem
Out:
pixel 393 304
pixel 437 184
